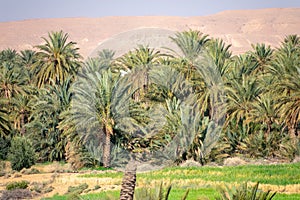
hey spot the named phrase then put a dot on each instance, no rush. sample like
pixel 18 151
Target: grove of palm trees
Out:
pixel 149 106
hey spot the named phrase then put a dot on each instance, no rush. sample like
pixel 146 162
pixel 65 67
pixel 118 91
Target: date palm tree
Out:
pixel 190 43
pixel 27 59
pixel 263 55
pixel 97 107
pixel 141 59
pixel 13 80
pixel 285 71
pixel 20 112
pixel 10 56
pixel 47 105
pixel 241 94
pixel 57 60
pixel 263 112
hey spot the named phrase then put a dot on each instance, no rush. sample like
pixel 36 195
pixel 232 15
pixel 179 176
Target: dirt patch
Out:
pixel 59 182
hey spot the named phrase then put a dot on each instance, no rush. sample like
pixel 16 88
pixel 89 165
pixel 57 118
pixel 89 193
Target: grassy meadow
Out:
pixel 203 182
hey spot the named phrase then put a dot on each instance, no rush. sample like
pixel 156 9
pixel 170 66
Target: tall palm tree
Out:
pixel 20 112
pixel 57 60
pixel 95 107
pixel 285 71
pixel 213 68
pixel 46 106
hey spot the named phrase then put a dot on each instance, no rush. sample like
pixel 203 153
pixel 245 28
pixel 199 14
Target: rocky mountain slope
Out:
pixel 239 28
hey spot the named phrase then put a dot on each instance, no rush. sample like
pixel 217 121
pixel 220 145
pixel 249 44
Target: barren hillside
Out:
pixel 239 28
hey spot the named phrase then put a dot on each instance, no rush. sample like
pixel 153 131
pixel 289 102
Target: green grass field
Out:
pixel 203 181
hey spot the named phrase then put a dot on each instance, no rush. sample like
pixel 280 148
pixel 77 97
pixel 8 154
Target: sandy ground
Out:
pixel 61 181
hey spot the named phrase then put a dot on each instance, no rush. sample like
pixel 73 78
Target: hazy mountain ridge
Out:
pixel 239 28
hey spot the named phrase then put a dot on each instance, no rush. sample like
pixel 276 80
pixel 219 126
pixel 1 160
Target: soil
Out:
pixel 59 178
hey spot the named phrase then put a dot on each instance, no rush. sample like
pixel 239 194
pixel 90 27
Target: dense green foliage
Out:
pixel 84 112
pixel 21 153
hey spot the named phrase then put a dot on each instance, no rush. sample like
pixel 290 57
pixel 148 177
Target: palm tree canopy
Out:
pixel 57 59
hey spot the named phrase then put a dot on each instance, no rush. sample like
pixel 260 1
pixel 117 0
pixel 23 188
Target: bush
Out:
pixel 78 189
pixel 21 153
pixel 17 185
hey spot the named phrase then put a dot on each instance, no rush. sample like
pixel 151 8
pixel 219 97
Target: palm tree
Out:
pixel 103 61
pixel 213 69
pixel 285 71
pixel 241 94
pixel 95 107
pixel 263 112
pixel 262 54
pixel 46 107
pixel 220 54
pixel 191 44
pixel 20 112
pixel 57 60
pixel 9 56
pixel 13 80
pixel 27 59
pixel 141 59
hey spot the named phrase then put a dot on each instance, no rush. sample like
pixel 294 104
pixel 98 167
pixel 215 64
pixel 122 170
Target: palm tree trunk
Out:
pixel 22 131
pixel 128 182
pixel 106 149
pixel 292 132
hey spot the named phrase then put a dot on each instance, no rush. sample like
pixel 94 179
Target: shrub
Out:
pixel 21 153
pixel 78 189
pixel 4 146
pixel 30 171
pixel 16 194
pixel 17 185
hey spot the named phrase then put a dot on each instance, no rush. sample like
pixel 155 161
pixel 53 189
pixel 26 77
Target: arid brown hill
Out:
pixel 239 28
